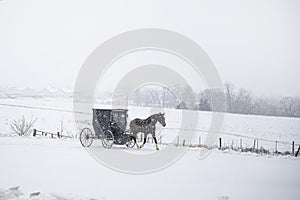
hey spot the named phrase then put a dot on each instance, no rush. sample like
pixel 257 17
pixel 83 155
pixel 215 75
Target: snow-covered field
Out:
pixel 280 129
pixel 62 169
pixel 65 169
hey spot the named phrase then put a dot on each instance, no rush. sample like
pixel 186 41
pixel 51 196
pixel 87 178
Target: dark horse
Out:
pixel 147 126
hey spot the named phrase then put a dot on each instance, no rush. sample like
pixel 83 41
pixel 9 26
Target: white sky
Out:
pixel 254 44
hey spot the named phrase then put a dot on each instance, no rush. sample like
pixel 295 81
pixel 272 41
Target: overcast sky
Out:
pixel 254 44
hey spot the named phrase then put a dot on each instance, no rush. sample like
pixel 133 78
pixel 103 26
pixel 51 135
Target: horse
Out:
pixel 147 126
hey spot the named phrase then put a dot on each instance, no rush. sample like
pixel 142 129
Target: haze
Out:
pixel 254 44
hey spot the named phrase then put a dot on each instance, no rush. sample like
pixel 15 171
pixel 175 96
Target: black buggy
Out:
pixel 109 126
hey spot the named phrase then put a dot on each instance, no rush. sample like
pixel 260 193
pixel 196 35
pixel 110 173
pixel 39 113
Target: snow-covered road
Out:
pixel 64 167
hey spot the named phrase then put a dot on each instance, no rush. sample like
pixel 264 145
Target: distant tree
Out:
pixel 169 99
pixel 230 96
pixel 265 107
pixel 145 98
pixel 214 100
pixel 181 105
pixel 22 127
pixel 205 94
pixel 154 96
pixel 204 100
pixel 186 95
pixel 136 98
pixel 290 106
pixel 243 102
pixel 238 101
pixel 204 105
pixel 163 97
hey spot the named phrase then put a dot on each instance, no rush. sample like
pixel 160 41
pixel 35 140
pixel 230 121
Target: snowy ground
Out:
pixel 63 168
pixel 268 128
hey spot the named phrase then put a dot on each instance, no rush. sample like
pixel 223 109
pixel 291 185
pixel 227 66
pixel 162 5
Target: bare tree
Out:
pixel 230 96
pixel 154 96
pixel 22 127
pixel 263 106
pixel 204 95
pixel 218 103
pixel 186 95
pixel 290 106
pixel 243 102
pixel 204 105
pixel 168 98
pixel 238 101
pixel 181 105
pixel 142 97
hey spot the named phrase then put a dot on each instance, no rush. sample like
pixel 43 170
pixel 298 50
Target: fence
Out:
pixel 45 133
pixel 228 140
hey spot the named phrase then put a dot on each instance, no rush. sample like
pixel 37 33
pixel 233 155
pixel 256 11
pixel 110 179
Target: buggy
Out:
pixel 110 126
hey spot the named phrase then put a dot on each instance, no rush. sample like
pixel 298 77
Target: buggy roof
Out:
pixel 105 109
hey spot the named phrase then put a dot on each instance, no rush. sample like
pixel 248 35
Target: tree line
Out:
pixel 237 100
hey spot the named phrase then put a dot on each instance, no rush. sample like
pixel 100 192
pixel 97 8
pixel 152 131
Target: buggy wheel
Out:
pixel 107 139
pixel 131 142
pixel 86 137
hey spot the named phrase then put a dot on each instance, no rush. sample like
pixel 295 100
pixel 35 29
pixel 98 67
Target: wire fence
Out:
pixel 226 140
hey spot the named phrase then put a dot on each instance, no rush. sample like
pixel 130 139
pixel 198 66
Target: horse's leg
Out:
pixel 145 137
pixel 154 138
pixel 135 139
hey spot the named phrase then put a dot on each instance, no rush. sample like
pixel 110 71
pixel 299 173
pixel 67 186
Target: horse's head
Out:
pixel 160 117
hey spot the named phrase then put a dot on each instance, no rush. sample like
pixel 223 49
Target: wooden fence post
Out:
pixel 297 151
pixel 220 143
pixel 254 144
pixel 199 141
pixel 183 143
pixel 293 147
pixel 257 144
pixel 241 143
pixel 177 140
pixel 275 146
pixel 34 132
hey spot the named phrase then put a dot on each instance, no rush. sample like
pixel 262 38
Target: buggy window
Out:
pixel 119 118
pixel 103 118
